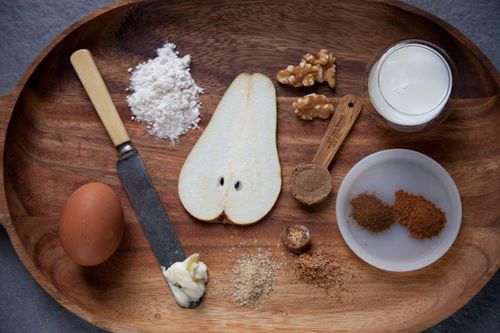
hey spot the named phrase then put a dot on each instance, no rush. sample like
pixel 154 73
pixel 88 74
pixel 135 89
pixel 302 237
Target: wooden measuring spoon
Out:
pixel 311 182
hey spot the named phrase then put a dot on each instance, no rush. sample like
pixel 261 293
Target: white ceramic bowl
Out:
pixel 384 173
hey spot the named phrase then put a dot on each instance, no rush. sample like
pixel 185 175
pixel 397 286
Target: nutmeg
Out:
pixel 296 238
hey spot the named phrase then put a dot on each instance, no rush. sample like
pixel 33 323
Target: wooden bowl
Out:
pixel 53 141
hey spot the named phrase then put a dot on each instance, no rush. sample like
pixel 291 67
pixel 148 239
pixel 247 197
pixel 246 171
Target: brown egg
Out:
pixel 91 224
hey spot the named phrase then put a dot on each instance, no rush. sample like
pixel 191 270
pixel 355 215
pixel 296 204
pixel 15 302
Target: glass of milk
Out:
pixel 409 86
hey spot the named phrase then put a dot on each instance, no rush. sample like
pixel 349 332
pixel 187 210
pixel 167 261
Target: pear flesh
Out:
pixel 234 167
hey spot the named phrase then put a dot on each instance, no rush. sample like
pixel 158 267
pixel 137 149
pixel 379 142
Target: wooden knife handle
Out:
pixel 94 85
pixel 344 116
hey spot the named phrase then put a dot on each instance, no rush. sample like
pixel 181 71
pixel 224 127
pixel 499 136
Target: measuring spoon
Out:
pixel 311 182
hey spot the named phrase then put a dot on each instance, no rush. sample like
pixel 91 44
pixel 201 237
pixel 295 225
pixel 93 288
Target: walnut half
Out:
pixel 319 67
pixel 311 106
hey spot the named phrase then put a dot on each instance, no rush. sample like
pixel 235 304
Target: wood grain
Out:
pixel 96 89
pixel 346 113
pixel 52 142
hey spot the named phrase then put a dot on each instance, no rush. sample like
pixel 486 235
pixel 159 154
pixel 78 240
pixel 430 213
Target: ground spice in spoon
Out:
pixel 422 217
pixel 372 213
pixel 310 183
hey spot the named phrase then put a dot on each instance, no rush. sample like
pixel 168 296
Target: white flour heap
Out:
pixel 165 95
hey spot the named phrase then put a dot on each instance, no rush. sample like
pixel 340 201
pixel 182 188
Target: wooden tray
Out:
pixel 54 142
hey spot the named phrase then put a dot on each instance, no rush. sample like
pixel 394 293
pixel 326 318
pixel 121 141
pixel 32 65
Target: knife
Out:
pixel 131 169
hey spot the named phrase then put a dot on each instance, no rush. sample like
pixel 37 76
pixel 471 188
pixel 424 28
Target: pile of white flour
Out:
pixel 164 95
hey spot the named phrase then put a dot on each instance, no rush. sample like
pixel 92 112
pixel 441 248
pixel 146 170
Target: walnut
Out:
pixel 319 67
pixel 311 106
pixel 303 75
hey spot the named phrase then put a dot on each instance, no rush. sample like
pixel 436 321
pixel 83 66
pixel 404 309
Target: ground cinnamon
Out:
pixel 422 217
pixel 372 213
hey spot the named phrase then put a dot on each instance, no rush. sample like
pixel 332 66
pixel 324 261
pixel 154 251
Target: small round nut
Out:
pixel 296 238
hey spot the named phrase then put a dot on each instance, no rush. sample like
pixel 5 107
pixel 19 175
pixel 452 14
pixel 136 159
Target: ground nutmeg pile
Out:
pixel 371 212
pixel 323 270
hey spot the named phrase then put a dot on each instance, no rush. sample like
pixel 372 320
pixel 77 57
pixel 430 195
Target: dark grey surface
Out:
pixel 27 26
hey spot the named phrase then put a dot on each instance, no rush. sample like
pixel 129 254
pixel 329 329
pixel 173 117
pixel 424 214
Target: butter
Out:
pixel 187 280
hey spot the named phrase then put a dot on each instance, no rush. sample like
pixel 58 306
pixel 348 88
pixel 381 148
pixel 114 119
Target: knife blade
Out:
pixel 148 207
pixel 131 169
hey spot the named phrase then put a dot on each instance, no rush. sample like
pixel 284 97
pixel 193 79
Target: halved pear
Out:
pixel 234 167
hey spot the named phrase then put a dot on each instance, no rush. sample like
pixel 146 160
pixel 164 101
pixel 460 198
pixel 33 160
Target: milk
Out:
pixel 410 85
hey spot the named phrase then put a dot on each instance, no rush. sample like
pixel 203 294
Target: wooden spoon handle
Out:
pixel 94 85
pixel 344 116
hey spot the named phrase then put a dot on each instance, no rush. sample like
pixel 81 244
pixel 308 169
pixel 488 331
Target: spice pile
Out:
pixel 310 183
pixel 371 212
pixel 165 95
pixel 422 217
pixel 322 270
pixel 252 278
pixel 419 215
pixel 315 266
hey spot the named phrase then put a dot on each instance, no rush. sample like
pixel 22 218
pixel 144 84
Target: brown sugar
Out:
pixel 422 217
pixel 372 213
